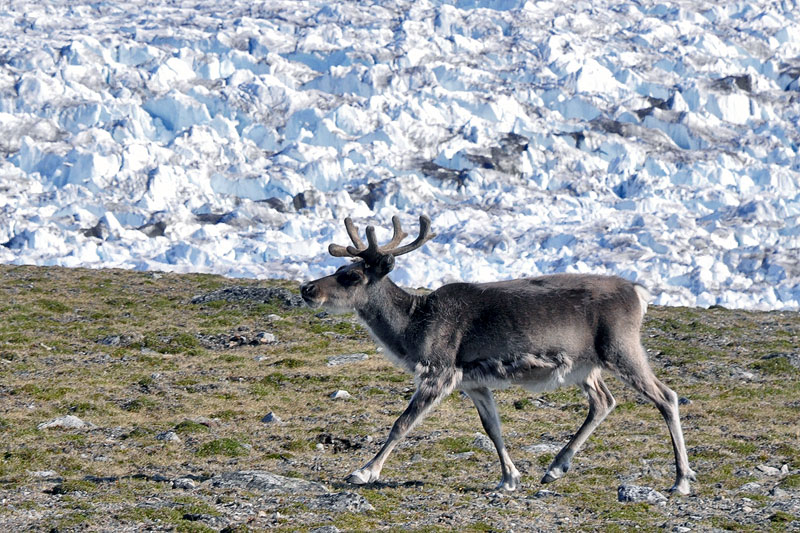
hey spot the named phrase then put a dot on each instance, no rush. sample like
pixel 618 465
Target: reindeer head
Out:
pixel 349 287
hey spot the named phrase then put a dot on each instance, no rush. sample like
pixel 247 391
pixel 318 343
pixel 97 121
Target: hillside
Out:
pixel 173 376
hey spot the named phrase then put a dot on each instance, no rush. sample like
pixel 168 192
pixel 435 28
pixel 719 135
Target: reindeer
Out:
pixel 541 333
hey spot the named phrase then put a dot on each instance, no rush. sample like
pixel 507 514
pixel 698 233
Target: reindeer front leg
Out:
pixel 432 386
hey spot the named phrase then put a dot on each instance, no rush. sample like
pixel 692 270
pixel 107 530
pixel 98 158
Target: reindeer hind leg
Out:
pixel 634 370
pixel 601 403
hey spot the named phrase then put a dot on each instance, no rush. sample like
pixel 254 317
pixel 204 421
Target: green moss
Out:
pixel 289 362
pixel 776 366
pixel 792 481
pixel 782 517
pixel 742 447
pixel 54 306
pixel 457 444
pixel 189 426
pixel 74 485
pixel 225 446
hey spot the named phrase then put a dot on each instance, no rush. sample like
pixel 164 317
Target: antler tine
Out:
pixel 397 236
pixel 337 250
pixel 424 236
pixel 352 231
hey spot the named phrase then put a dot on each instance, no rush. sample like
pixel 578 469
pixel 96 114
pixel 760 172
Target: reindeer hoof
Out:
pixel 555 472
pixel 508 484
pixel 680 488
pixel 361 477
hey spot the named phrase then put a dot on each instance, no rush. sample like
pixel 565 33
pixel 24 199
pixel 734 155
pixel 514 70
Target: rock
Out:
pixel 184 483
pixel 265 338
pixel 768 470
pixel 463 455
pixel 544 493
pixel 750 487
pixel 325 529
pixel 784 469
pixel 342 502
pixel 208 422
pixel 542 448
pixel 778 493
pixel 168 436
pixel 272 418
pixel 483 442
pixel 124 340
pixel 341 395
pixel 347 358
pixel 684 401
pixel 66 422
pixel 636 494
pixel 260 481
pixel 42 474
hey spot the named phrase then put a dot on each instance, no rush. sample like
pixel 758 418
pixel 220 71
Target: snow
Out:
pixel 654 140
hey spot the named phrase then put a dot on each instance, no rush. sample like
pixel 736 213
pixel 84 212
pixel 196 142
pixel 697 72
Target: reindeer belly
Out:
pixel 536 372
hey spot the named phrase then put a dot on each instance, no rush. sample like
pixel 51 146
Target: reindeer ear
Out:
pixel 384 265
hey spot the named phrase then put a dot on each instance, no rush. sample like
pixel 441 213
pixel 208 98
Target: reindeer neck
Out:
pixel 388 315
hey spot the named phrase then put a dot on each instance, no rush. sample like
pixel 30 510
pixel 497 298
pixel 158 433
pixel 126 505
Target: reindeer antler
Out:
pixel 371 252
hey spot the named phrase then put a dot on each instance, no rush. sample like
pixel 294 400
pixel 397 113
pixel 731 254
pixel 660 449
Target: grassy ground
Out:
pixel 129 353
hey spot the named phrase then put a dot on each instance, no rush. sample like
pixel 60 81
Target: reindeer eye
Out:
pixel 349 278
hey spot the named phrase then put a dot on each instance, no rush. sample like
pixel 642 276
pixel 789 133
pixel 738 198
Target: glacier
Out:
pixel 650 139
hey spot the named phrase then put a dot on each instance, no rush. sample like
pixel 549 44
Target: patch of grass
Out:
pixel 226 446
pixel 792 481
pixel 457 444
pixel 782 517
pixel 54 306
pixel 775 366
pixel 289 362
pixel 189 426
pixel 742 447
pixel 142 403
pixel 298 445
pixel 74 485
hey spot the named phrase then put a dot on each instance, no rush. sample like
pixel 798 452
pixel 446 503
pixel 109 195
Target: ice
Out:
pixel 651 140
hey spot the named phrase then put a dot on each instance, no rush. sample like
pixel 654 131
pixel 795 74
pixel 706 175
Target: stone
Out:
pixel 341 502
pixel 42 474
pixel 483 442
pixel 261 481
pixel 347 358
pixel 750 487
pixel 778 493
pixel 637 494
pixel 168 436
pixel 272 418
pixel 184 483
pixel 266 338
pixel 325 529
pixel 341 395
pixel 768 470
pixel 542 448
pixel 66 422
